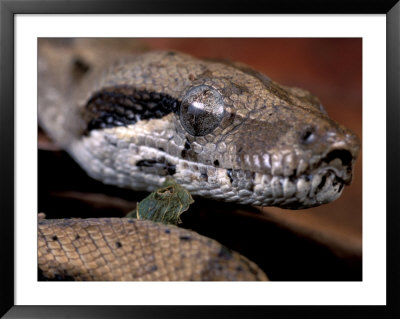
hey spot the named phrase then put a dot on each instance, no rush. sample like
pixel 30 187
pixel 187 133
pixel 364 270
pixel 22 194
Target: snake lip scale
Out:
pixel 220 129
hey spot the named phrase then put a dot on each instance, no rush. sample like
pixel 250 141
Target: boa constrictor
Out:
pixel 220 129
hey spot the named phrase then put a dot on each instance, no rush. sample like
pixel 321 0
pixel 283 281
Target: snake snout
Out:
pixel 342 154
pixel 341 162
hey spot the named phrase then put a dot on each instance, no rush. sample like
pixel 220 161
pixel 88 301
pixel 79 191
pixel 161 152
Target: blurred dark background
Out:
pixel 322 243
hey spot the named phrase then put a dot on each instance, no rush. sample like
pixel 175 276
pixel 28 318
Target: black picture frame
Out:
pixel 8 10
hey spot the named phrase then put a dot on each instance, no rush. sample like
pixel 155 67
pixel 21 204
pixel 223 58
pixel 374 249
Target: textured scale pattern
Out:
pixel 269 145
pixel 264 144
pixel 127 249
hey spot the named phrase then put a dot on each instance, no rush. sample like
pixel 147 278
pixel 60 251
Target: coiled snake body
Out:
pixel 220 129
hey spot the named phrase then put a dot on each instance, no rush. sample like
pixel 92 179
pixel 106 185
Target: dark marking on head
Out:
pixel 121 106
pixel 205 75
pixel 321 184
pixel 118 244
pixel 344 155
pixel 280 92
pixel 188 153
pixel 167 231
pixel 79 67
pixel 308 136
pixel 171 170
pixel 229 173
pixel 146 163
pixel 162 166
pixel 216 163
pixel 251 177
pixel 187 147
pixel 242 179
pixel 185 238
pixel 273 87
pixel 234 89
pixel 54 237
pixel 77 237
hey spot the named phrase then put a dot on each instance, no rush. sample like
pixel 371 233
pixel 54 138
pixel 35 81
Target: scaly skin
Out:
pixel 221 130
pixel 127 249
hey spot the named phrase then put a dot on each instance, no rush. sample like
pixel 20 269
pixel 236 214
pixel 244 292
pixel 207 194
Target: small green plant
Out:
pixel 165 204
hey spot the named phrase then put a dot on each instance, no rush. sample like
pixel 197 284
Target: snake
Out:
pixel 222 130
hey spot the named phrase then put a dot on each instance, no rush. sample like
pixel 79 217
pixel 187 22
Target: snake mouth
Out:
pixel 344 155
pixel 145 168
pixel 323 186
pixel 339 161
pixel 324 182
pixel 321 183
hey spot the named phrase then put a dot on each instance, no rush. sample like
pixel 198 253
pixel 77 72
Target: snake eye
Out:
pixel 202 109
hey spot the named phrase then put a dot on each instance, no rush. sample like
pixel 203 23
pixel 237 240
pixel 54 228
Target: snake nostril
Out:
pixel 344 155
pixel 308 135
pixel 80 66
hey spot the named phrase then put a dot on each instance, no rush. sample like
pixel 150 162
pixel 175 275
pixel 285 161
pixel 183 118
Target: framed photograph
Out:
pixel 274 122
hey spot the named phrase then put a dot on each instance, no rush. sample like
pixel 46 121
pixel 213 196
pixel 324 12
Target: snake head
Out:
pixel 277 144
pixel 221 130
